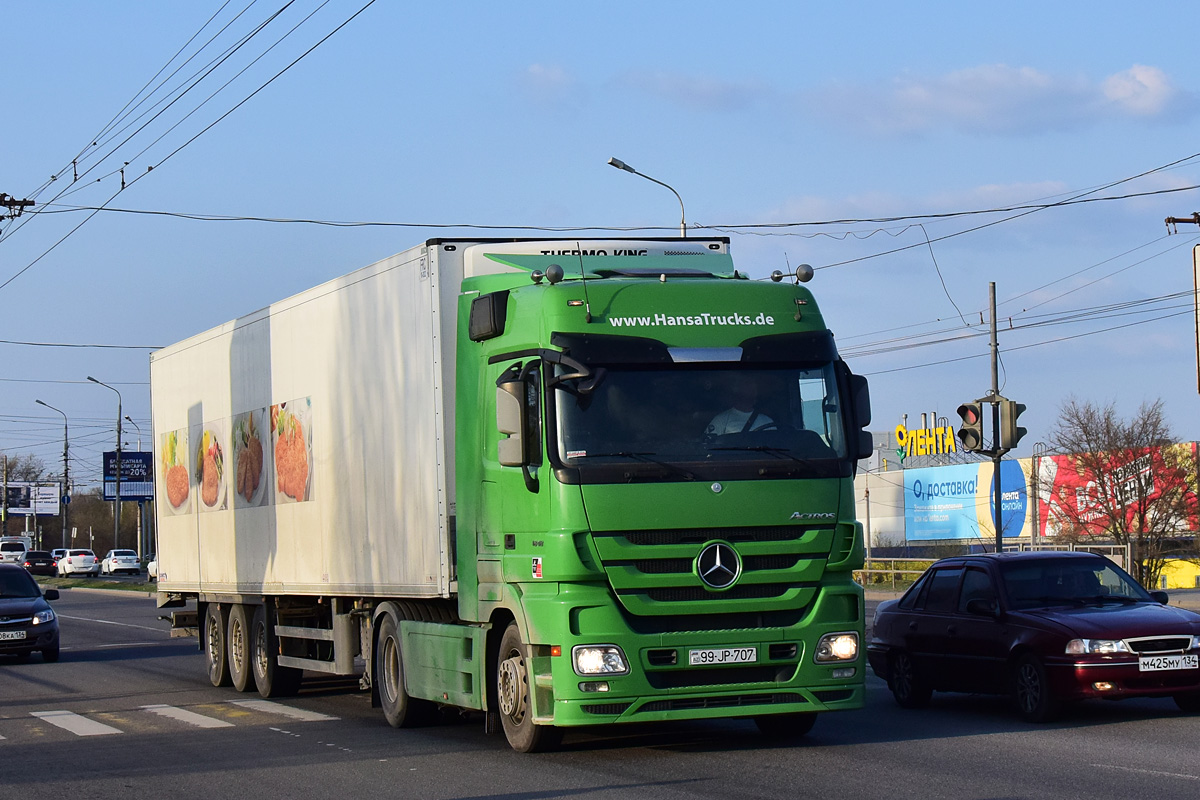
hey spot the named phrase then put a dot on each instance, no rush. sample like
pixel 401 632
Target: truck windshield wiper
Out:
pixel 1056 601
pixel 775 451
pixel 646 458
pixel 1115 598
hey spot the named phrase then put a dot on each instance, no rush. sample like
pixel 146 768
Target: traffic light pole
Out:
pixel 996 453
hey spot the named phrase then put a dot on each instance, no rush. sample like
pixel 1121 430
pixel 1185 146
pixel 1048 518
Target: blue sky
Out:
pixel 505 115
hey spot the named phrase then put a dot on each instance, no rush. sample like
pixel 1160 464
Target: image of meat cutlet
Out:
pixel 291 461
pixel 177 485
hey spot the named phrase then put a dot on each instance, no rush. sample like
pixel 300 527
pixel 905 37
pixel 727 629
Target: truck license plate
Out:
pixel 12 634
pixel 1157 663
pixel 727 655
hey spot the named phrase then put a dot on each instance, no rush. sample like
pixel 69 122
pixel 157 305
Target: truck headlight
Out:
pixel 1078 647
pixel 598 659
pixel 837 647
pixel 42 617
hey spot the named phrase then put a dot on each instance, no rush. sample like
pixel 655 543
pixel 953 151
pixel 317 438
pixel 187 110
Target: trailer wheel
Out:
pixel 271 679
pixel 237 647
pixel 512 689
pixel 214 645
pixel 400 710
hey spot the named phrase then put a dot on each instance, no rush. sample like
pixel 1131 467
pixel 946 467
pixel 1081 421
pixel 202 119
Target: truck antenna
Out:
pixel 587 304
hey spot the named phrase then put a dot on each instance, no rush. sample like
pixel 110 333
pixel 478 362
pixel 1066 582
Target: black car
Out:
pixel 39 562
pixel 1045 627
pixel 27 622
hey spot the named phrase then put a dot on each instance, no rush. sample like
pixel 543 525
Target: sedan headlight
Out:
pixel 598 659
pixel 837 647
pixel 43 617
pixel 1077 647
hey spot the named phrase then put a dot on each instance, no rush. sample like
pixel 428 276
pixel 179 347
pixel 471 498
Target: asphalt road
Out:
pixel 81 728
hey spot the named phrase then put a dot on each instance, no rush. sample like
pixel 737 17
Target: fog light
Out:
pixel 1103 686
pixel 844 672
pixel 598 659
pixel 594 686
pixel 837 647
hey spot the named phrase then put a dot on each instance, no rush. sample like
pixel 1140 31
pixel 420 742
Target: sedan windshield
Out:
pixel 1073 581
pixel 18 584
pixel 701 421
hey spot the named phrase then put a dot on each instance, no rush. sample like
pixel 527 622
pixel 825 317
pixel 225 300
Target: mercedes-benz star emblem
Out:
pixel 718 565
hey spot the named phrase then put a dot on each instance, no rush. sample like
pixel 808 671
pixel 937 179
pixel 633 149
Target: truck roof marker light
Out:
pixel 574 303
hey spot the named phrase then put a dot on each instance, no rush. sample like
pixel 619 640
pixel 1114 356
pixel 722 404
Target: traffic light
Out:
pixel 971 432
pixel 1010 433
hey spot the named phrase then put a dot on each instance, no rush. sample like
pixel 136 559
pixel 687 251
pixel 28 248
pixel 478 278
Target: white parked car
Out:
pixel 79 561
pixel 12 552
pixel 115 561
pixel 152 568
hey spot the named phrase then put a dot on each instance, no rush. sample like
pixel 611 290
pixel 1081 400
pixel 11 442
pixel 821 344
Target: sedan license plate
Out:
pixel 727 655
pixel 1157 663
pixel 12 634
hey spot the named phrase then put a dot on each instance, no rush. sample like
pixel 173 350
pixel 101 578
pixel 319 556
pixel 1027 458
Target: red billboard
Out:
pixel 1141 490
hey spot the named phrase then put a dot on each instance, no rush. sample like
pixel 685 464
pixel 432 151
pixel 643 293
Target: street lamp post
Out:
pixel 66 498
pixel 117 482
pixel 619 164
pixel 140 547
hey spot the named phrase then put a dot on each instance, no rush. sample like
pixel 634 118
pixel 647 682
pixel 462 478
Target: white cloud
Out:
pixel 550 83
pixel 693 91
pixel 1140 90
pixel 999 99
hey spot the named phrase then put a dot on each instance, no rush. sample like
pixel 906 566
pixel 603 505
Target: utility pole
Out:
pixel 14 206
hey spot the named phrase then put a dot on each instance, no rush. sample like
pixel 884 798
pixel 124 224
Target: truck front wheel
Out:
pixel 214 645
pixel 512 691
pixel 400 710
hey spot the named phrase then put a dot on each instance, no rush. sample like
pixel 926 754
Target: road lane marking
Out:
pixel 190 717
pixel 298 714
pixel 1150 771
pixel 110 622
pixel 74 723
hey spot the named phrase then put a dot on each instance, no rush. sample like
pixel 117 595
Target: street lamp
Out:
pixel 140 548
pixel 66 499
pixel 129 419
pixel 619 164
pixel 117 483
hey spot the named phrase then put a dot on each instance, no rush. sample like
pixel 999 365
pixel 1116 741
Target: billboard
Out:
pixel 137 475
pixel 23 498
pixel 1086 494
pixel 957 502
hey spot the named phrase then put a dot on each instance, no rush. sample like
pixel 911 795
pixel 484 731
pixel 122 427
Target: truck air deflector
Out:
pixel 806 347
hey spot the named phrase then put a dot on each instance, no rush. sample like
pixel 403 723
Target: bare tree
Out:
pixel 1128 480
pixel 26 468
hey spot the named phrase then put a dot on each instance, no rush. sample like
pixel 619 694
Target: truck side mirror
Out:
pixel 510 420
pixel 860 401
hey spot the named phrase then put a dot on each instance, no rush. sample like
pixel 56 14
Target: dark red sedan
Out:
pixel 1046 627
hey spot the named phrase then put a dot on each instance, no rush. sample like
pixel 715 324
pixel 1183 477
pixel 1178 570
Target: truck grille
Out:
pixel 653 572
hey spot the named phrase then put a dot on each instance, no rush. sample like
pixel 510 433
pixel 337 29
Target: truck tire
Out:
pixel 214 645
pixel 270 679
pixel 237 647
pixel 512 690
pixel 400 710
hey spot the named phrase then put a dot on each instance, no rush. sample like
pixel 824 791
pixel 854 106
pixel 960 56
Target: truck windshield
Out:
pixel 701 422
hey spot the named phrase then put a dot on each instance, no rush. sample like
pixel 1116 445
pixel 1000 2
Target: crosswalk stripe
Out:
pixel 268 707
pixel 80 726
pixel 190 717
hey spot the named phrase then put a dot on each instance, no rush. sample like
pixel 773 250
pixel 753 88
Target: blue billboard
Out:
pixel 956 502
